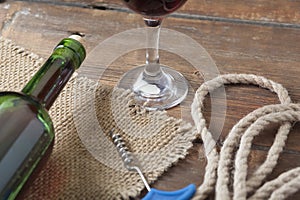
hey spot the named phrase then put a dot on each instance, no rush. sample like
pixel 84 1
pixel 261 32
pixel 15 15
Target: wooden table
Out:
pixel 258 36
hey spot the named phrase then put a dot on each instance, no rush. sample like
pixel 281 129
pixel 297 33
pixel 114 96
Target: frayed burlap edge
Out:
pixel 66 176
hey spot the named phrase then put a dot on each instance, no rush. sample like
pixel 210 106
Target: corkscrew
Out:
pixel 130 163
pixel 128 160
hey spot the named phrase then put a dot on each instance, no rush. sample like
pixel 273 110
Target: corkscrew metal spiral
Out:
pixel 129 161
pixel 153 194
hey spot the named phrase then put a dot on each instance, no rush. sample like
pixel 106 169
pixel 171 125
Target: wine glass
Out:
pixel 155 86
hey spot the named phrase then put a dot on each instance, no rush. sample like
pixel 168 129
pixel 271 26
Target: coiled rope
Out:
pixel 217 171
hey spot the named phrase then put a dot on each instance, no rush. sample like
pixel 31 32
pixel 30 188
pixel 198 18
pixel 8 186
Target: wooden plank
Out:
pixel 236 48
pixel 280 11
pixel 287 161
pixel 271 51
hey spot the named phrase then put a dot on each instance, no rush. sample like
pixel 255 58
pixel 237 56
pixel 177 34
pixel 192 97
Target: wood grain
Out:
pixel 249 11
pixel 259 47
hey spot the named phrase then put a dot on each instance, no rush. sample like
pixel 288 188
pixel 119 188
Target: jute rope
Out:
pixel 217 175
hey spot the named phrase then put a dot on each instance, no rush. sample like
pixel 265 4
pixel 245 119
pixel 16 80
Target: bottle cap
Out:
pixel 74 42
pixel 79 38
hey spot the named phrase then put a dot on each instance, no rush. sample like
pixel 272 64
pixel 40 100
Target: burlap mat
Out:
pixel 73 172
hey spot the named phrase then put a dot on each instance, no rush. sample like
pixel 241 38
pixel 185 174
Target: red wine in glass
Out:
pixel 154 8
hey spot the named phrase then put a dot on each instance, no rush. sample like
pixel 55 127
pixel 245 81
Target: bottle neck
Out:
pixel 48 82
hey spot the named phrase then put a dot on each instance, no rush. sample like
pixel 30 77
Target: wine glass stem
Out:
pixel 152 67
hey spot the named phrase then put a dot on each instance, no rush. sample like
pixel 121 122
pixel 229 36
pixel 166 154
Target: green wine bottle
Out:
pixel 26 129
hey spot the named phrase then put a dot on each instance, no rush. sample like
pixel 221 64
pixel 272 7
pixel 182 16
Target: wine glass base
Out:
pixel 157 93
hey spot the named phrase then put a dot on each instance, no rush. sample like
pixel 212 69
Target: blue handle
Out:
pixel 183 194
